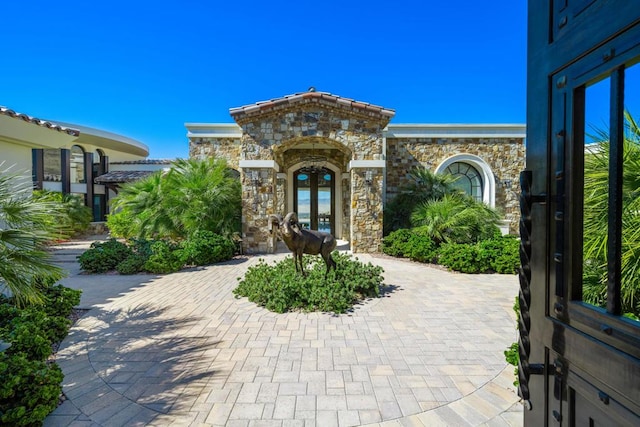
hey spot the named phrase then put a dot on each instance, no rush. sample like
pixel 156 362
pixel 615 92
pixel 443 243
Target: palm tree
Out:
pixel 25 265
pixel 205 195
pixel 455 218
pixel 423 185
pixel 193 195
pixel 143 202
pixel 595 214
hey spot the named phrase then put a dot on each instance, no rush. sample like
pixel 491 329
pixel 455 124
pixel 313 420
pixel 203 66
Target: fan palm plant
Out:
pixel 423 185
pixel 455 218
pixel 193 195
pixel 595 214
pixel 25 264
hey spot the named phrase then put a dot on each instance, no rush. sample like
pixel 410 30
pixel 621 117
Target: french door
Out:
pixel 314 198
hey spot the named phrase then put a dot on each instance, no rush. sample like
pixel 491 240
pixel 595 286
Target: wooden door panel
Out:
pixel 580 365
pixel 593 407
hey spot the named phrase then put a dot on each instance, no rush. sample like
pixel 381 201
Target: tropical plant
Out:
pixel 423 185
pixel 144 203
pixel 456 218
pixel 76 216
pixel 25 264
pixel 193 195
pixel 595 214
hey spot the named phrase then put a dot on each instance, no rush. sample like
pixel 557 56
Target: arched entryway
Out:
pixel 314 198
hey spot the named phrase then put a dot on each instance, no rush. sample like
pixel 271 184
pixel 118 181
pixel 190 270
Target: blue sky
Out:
pixel 142 69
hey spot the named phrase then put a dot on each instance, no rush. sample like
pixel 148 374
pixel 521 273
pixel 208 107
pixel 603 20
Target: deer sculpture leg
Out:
pixel 298 260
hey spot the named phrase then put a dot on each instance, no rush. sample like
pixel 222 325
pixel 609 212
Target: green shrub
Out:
pixel 410 243
pixel 420 248
pixel 512 353
pixel 205 247
pixel 122 224
pixel 395 243
pixel 141 247
pixel 133 264
pixel 463 257
pixel 30 386
pixel 29 390
pixel 280 288
pixel 165 258
pixel 503 253
pixel 105 256
pixel 60 300
pixel 32 332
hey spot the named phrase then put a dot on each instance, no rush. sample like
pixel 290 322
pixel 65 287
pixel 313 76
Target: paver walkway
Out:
pixel 180 350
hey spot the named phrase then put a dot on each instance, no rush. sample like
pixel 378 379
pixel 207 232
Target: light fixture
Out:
pixel 314 164
pixel 368 177
pixel 254 176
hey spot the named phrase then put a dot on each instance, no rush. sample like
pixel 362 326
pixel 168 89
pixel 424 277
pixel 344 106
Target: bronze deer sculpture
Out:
pixel 302 241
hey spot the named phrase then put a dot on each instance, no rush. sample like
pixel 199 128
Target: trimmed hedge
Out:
pixel 30 385
pixel 499 254
pixel 156 256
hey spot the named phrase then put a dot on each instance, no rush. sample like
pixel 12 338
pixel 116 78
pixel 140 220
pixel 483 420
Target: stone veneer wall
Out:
pixel 362 135
pixel 504 156
pixel 349 134
pixel 258 202
pixel 227 148
pixel 366 211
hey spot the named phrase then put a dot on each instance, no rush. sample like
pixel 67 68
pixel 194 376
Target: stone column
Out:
pixel 258 203
pixel 366 208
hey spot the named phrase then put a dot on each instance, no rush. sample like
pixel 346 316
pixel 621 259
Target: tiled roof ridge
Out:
pixel 122 176
pixel 36 121
pixel 144 162
pixel 312 94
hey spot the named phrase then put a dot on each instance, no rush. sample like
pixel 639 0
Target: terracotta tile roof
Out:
pixel 143 162
pixel 44 123
pixel 311 95
pixel 117 177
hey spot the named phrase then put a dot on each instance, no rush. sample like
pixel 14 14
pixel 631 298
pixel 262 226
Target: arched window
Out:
pixel 77 164
pixel 469 179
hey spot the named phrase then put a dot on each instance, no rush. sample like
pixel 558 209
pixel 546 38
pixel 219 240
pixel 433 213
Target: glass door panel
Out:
pixel 325 217
pixel 314 200
pixel 302 198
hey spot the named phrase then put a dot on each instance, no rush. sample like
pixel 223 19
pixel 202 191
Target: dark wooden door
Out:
pixel 579 354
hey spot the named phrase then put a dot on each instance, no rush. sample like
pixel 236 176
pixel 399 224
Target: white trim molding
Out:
pixel 358 164
pixel 259 164
pixel 488 179
pixel 213 130
pixel 421 130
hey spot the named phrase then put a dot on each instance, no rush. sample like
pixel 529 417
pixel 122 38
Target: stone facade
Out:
pixel 368 159
pixel 504 157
